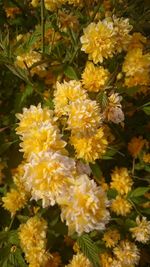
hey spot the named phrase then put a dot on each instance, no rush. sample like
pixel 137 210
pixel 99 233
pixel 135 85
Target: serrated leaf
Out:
pixel 102 99
pixel 140 191
pixel 70 73
pixel 89 249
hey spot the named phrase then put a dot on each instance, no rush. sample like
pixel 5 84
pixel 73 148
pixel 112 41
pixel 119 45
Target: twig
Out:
pixel 42 26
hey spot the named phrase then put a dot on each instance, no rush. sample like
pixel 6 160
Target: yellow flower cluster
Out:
pixel 84 208
pixel 141 232
pixel 17 198
pixel 26 60
pixel 136 67
pixel 39 125
pixel 32 236
pixel 94 78
pixel 103 39
pixel 121 181
pixel 79 260
pixel 52 177
pixel 125 254
pixel 83 119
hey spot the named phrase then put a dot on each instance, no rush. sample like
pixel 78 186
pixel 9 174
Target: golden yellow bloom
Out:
pixel 108 260
pixel 14 201
pixel 46 137
pixel 94 78
pixel 91 147
pixel 113 111
pixel 141 232
pixel 137 41
pixel 48 175
pixel 79 260
pixel 138 79
pixel 31 117
pixel 84 207
pixel 135 146
pixel 98 41
pixel 121 181
pixel 54 261
pixel 26 60
pixel 122 29
pixel 35 3
pixel 12 11
pixel 111 237
pixel 121 206
pixel 146 158
pixel 136 67
pixel 103 184
pixel 65 94
pixel 127 252
pixel 75 2
pixel 52 5
pixel 84 117
pixel 32 236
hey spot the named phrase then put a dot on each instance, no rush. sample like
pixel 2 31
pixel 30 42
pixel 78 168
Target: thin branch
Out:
pixel 42 26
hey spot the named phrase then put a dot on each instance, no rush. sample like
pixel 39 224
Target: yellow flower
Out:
pixel 67 93
pixel 111 237
pixel 84 207
pixel 11 12
pixel 32 237
pixel 27 59
pixel 141 232
pixel 48 175
pixel 79 260
pixel 98 41
pixel 113 111
pixel 54 261
pixel 121 206
pixel 35 3
pixel 52 5
pixel 137 41
pixel 146 158
pixel 127 252
pixel 107 260
pixel 31 117
pixel 94 78
pixel 121 181
pixel 84 117
pixel 14 201
pixel 138 79
pixel 91 147
pixel 135 146
pixel 136 65
pixel 46 137
pixel 75 2
pixel 122 29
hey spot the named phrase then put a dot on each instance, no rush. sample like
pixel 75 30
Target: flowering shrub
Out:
pixel 75 142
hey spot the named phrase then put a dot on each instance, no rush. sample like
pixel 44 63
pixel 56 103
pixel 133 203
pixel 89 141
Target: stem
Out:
pixel 133 166
pixel 11 223
pixel 42 26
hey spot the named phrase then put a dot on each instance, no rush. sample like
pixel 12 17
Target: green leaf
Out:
pixel 70 73
pixel 147 110
pixel 96 170
pixel 89 249
pixel 140 191
pixel 112 193
pixel 26 93
pixel 102 99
